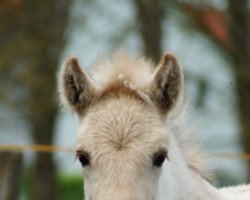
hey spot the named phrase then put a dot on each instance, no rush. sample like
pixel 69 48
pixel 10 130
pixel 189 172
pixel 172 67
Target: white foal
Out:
pixel 132 140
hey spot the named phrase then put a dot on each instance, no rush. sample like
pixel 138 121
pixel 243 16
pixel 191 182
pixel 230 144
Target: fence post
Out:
pixel 10 175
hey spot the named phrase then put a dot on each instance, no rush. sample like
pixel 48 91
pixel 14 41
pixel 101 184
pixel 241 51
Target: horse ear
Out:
pixel 76 89
pixel 167 83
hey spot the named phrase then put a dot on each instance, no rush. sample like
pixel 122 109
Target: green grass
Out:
pixel 70 187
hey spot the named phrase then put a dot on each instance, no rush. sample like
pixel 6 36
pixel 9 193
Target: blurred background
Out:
pixel 210 38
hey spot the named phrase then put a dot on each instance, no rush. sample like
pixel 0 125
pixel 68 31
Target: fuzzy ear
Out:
pixel 75 87
pixel 167 83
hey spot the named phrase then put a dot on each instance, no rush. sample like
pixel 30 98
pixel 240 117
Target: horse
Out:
pixel 133 140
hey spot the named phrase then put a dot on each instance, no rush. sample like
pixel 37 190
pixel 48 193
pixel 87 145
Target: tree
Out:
pixel 32 37
pixel 10 175
pixel 150 14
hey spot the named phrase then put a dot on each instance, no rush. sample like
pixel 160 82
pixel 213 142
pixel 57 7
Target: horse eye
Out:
pixel 159 158
pixel 83 158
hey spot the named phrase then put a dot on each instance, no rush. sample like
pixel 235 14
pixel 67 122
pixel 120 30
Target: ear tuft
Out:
pixel 168 83
pixel 75 87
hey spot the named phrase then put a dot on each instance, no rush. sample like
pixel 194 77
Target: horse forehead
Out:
pixel 120 115
pixel 119 125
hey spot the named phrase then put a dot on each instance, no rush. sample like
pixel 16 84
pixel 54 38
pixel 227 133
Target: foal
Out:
pixel 132 141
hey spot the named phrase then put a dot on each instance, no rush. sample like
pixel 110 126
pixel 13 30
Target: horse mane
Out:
pixel 122 71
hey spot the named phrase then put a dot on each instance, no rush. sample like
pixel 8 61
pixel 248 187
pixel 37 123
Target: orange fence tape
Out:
pixel 52 148
pixel 243 156
pixel 35 147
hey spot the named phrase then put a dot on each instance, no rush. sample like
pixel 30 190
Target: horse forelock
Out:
pixel 121 70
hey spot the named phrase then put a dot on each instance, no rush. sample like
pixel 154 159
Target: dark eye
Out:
pixel 159 158
pixel 83 158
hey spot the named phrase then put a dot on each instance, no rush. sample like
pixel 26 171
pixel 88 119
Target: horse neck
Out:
pixel 179 182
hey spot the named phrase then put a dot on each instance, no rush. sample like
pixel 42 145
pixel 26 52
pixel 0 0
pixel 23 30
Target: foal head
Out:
pixel 122 140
